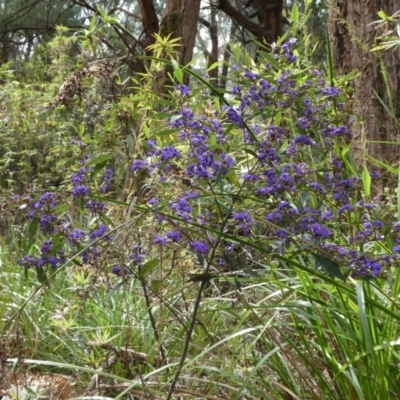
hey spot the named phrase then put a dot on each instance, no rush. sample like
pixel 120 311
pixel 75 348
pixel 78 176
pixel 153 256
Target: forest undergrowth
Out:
pixel 192 242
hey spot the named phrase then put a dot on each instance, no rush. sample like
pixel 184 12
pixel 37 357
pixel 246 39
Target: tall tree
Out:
pixel 268 13
pixel 352 36
pixel 26 22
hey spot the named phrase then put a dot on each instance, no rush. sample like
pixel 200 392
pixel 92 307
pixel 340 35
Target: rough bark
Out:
pixel 352 37
pixel 149 21
pixel 256 30
pixel 271 17
pixel 180 19
pixel 269 12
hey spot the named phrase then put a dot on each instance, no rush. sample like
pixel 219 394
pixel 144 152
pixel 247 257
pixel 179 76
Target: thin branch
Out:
pixel 257 30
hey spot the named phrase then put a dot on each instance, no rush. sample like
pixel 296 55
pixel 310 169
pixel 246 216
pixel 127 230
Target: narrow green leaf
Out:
pixel 174 64
pixel 32 230
pixel 115 289
pixel 364 318
pixel 148 267
pixel 329 266
pixel 295 14
pixel 61 208
pixel 41 275
pixel 100 159
pixel 366 179
pixel 213 66
pixel 398 197
pixel 165 132
pixel 156 285
pixel 178 73
pixel 382 15
pixel 269 57
pixel 130 140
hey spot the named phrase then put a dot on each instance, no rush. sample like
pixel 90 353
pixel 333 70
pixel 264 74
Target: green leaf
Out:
pixel 41 275
pixel 32 230
pixel 238 285
pixel 200 257
pixel 366 179
pixel 165 132
pixel 130 140
pixel 212 141
pixel 382 15
pixel 213 66
pixel 174 64
pixel 179 75
pixel 252 152
pixel 329 266
pixel 156 285
pixel 295 14
pixel 350 76
pixel 270 58
pixel 231 176
pixel 62 208
pixel 101 159
pixel 365 318
pixel 115 289
pixel 200 277
pixel 148 267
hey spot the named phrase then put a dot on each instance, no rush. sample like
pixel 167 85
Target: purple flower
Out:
pixel 375 174
pixel 46 223
pixel 200 246
pixel 80 191
pixel 28 261
pixel 327 215
pixel 233 116
pixel 47 246
pixel 318 187
pixel 242 216
pixel 320 231
pixel 78 177
pixel 346 207
pixel 236 89
pixel 106 184
pixel 377 224
pixel 175 236
pixel 274 217
pixel 330 91
pixel 396 226
pixel 183 89
pixel 161 240
pixel 94 205
pixel 76 234
pixel 90 255
pixel 304 140
pixel 99 232
pixel 138 165
pixel 46 202
pixel 117 270
pixel 169 152
pixel 137 255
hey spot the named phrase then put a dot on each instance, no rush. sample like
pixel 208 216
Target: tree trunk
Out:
pixel 352 37
pixel 180 19
pixel 150 21
pixel 271 18
pixel 211 57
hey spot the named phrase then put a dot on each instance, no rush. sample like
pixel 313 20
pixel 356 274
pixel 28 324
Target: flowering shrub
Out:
pixel 241 185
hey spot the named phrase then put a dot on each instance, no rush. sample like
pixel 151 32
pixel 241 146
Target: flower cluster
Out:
pixel 238 184
pixel 69 236
pixel 266 168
